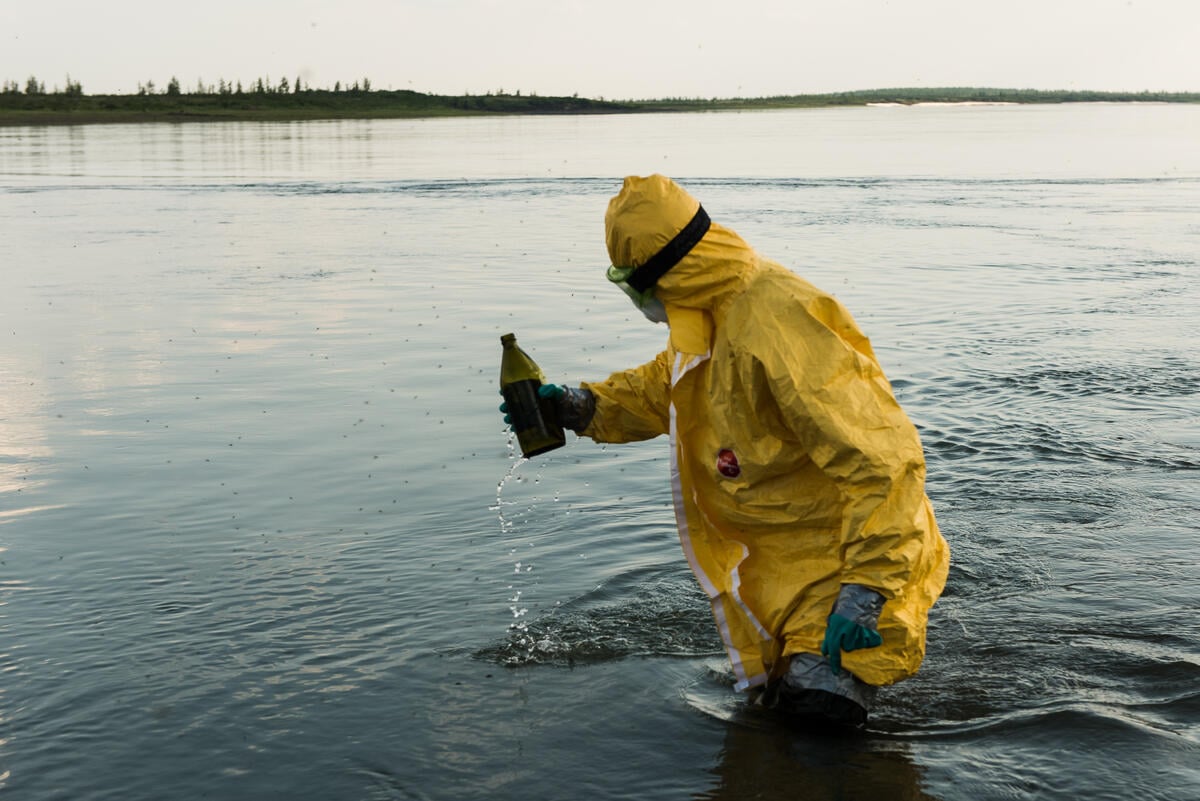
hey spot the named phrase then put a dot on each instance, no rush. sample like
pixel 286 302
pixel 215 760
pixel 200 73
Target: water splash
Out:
pixel 506 525
pixel 661 612
pixel 518 628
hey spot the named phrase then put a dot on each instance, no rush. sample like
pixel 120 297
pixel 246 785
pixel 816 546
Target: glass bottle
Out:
pixel 534 419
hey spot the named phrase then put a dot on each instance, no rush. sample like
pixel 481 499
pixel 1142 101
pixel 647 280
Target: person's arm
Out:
pixel 631 405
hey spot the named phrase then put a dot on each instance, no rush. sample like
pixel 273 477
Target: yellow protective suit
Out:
pixel 794 469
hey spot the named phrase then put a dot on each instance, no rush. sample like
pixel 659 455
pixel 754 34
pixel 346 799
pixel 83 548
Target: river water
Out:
pixel 264 535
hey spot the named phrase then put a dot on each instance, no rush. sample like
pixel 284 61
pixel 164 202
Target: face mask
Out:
pixel 651 307
pixel 654 311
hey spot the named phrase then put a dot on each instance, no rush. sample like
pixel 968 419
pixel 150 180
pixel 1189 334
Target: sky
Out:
pixel 615 49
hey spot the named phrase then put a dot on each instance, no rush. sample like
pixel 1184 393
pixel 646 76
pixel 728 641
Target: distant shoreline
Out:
pixel 266 105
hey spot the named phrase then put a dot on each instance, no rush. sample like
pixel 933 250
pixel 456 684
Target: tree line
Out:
pixel 35 87
pixel 267 99
pixel 229 91
pixel 173 87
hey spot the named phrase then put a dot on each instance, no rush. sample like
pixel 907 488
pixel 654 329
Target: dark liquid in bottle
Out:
pixel 534 419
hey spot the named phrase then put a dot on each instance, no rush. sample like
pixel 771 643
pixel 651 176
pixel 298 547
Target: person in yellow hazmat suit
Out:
pixel 799 483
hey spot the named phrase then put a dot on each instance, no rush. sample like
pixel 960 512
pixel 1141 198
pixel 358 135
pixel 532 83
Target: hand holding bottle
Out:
pixel 531 416
pixel 550 392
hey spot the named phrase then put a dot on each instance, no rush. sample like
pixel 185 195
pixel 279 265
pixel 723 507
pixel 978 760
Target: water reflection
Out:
pixel 773 763
pixel 24 440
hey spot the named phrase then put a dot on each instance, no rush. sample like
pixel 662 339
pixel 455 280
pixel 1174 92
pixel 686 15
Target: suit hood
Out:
pixel 646 215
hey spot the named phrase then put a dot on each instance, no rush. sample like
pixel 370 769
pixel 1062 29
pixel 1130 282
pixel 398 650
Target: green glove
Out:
pixel 852 623
pixel 843 634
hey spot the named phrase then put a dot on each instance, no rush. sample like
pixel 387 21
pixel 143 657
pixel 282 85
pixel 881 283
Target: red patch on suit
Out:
pixel 727 464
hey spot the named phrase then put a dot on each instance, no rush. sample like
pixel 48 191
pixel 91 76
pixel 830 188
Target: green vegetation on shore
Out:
pixel 282 101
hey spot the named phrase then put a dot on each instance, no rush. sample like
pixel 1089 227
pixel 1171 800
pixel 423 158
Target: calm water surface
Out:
pixel 263 535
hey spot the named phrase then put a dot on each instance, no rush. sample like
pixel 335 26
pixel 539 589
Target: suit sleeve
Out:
pixel 632 405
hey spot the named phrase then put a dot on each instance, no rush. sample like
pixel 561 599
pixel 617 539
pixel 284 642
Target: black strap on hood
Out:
pixel 672 253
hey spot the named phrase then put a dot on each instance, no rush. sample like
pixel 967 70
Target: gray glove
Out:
pixel 575 405
pixel 859 604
